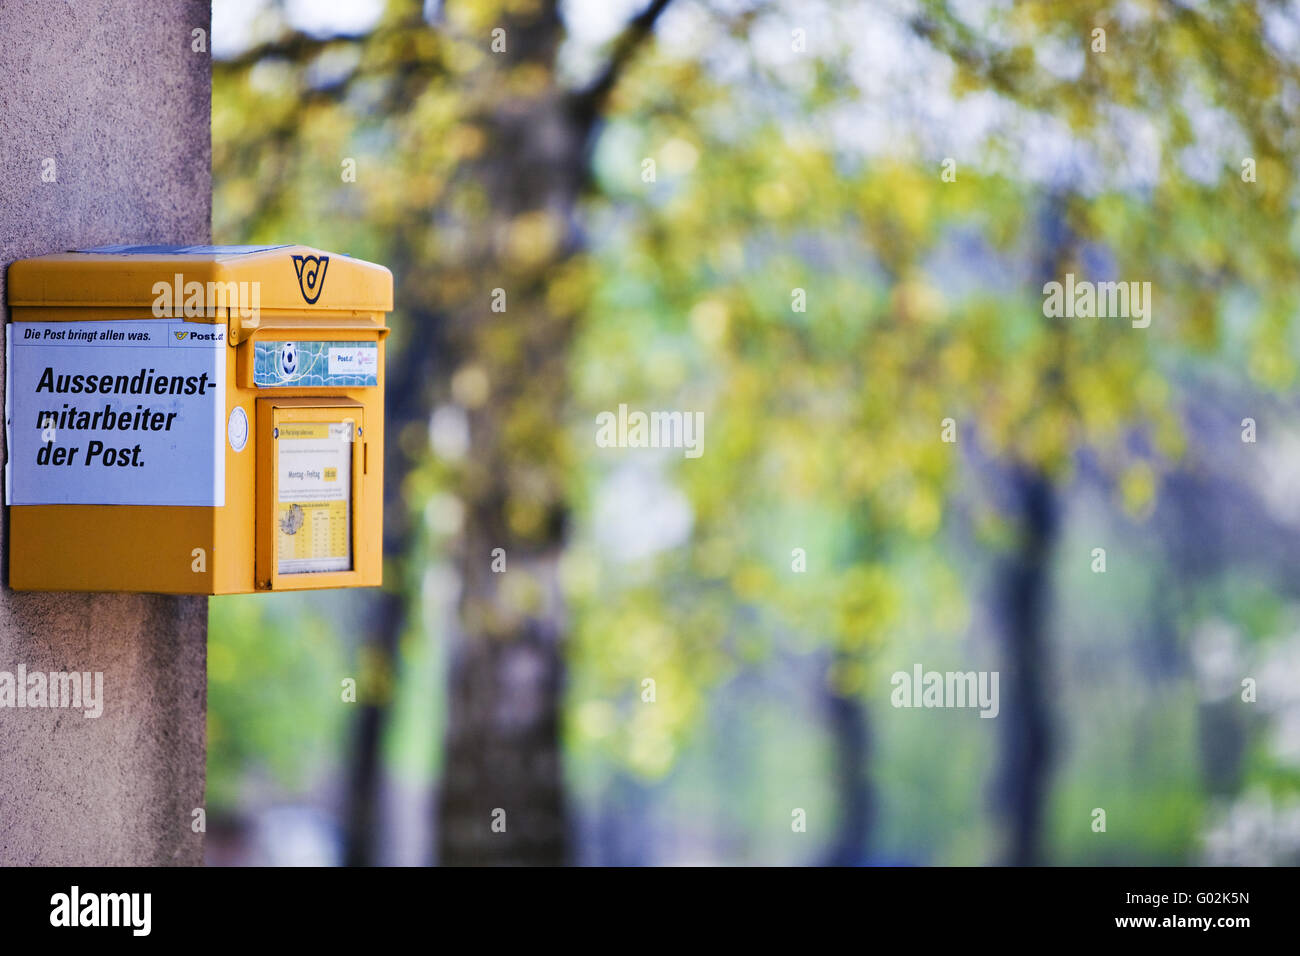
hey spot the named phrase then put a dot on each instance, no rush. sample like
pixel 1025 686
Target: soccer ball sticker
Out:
pixel 288 359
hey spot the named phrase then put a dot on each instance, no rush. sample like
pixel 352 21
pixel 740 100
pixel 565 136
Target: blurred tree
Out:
pixel 290 115
pixel 1156 117
pixel 473 159
pixel 519 230
pixel 823 418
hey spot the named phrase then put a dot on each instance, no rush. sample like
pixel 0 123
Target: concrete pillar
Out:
pixel 108 98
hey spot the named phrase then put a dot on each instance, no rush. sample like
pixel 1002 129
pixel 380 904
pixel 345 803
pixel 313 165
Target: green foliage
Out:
pixel 923 302
pixel 275 664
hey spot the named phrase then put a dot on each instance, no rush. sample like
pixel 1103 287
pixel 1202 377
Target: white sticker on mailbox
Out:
pixel 115 413
pixel 362 360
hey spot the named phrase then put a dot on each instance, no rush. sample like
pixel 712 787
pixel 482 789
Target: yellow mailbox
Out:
pixel 195 419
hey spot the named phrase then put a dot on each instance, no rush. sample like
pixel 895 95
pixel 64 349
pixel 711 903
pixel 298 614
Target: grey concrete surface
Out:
pixel 112 92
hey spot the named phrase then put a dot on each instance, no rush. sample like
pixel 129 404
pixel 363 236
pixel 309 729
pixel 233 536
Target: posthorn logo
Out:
pixel 311 276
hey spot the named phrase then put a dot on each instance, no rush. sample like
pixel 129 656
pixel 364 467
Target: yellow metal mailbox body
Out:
pixel 195 419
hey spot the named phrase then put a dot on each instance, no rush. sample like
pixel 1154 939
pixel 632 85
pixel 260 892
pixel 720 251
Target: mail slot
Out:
pixel 195 419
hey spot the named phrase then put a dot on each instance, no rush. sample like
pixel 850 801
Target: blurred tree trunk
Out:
pixel 1022 594
pixel 1024 719
pixel 403 52
pixel 407 376
pixel 502 799
pixel 851 738
pixel 364 776
pixel 1195 516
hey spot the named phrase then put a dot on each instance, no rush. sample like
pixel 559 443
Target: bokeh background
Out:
pixel 826 226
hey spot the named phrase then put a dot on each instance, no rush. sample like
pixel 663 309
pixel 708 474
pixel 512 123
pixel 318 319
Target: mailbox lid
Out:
pixel 289 277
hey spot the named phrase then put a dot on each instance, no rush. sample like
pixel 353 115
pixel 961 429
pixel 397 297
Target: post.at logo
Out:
pixel 311 276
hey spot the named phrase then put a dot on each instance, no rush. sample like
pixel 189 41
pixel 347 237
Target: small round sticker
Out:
pixel 237 428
